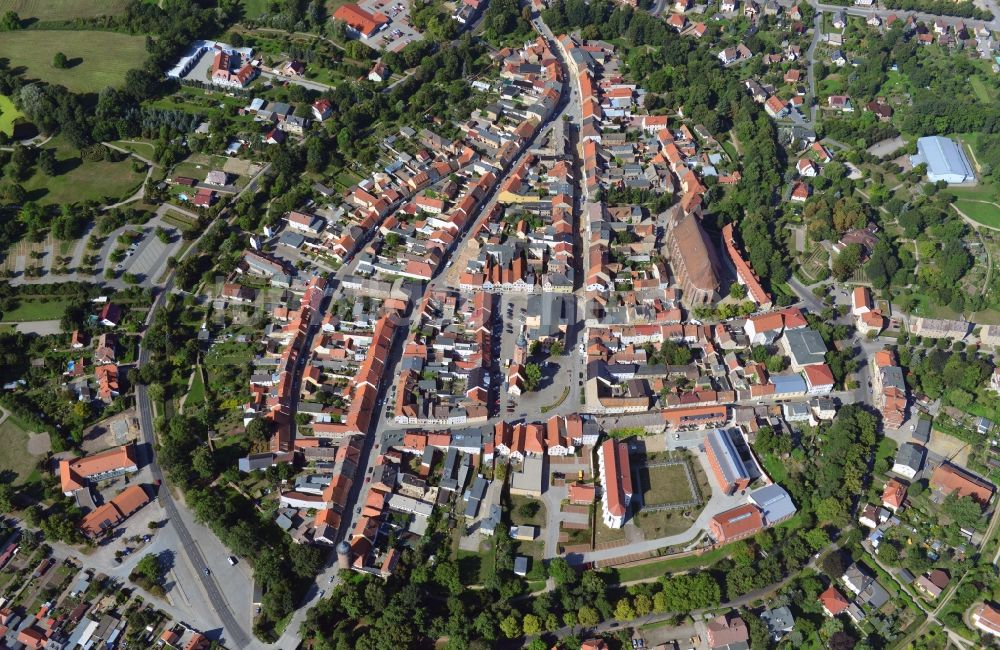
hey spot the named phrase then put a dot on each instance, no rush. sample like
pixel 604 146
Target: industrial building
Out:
pixel 945 160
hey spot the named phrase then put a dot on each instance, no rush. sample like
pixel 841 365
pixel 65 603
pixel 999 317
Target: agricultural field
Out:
pixel 57 10
pixel 82 180
pixel 97 59
pixel 8 115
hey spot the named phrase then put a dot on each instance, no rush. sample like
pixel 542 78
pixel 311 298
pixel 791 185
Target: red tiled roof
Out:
pixel 833 601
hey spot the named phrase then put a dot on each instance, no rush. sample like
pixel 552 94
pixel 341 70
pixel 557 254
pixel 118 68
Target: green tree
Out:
pixel 47 162
pixel 532 376
pixel 203 462
pixel 258 430
pixel 510 626
pixel 964 511
pixel 9 22
pixel 624 610
pixel 737 291
pixel 6 498
pixel 60 61
pixel 561 571
pixel 588 616
pixel 149 567
pixel 531 624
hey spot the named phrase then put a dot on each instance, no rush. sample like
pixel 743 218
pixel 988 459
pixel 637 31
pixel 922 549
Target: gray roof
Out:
pixel 727 456
pixel 874 594
pixel 788 384
pixel 806 346
pixel 774 502
pixel 923 430
pixel 943 157
pixel 521 565
pixel 778 620
pixel 892 376
pixel 911 456
pixel 255 462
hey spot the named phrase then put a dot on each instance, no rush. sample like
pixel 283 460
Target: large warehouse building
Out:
pixel 945 160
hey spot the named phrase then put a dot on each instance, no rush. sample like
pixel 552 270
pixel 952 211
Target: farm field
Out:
pixel 8 114
pixel 59 10
pixel 82 180
pixel 97 59
pixel 54 10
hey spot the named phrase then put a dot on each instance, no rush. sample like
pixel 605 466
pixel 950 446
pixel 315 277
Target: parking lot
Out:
pixel 399 32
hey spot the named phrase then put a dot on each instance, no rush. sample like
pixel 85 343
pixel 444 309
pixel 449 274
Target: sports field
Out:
pixel 97 59
pixel 44 10
pixel 8 113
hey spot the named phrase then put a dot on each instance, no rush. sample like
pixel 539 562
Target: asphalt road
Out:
pixel 236 637
pixel 235 634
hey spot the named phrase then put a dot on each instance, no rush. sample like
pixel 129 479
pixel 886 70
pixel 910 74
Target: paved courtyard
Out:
pixel 399 32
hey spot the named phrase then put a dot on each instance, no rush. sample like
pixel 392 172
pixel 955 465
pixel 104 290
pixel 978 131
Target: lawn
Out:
pixel 673 565
pixel 196 394
pixel 97 59
pixel 534 506
pixel 664 523
pixel 54 10
pixel 254 8
pixel 144 149
pixel 8 114
pixel 15 441
pixel 664 485
pixel 987 214
pixel 34 310
pixel 982 92
pixel 82 180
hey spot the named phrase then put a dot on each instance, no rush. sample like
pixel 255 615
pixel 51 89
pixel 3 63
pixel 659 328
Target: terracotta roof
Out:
pixel 767 322
pixel 359 19
pixel 894 493
pixel 737 522
pixel 949 478
pixel 72 472
pixel 833 601
pixel 819 375
pixel 697 253
pixel 616 469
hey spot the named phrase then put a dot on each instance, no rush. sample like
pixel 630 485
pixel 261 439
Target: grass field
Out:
pixel 196 396
pixel 254 8
pixel 664 485
pixel 17 459
pixel 32 310
pixel 987 214
pixel 54 10
pixel 97 59
pixel 980 89
pixel 82 180
pixel 672 565
pixel 8 114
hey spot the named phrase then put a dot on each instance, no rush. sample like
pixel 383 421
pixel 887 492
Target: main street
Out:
pixel 374 442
